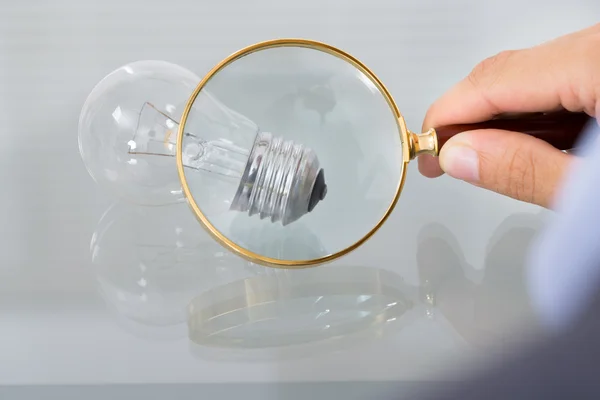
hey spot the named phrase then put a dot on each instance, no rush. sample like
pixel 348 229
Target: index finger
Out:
pixel 546 77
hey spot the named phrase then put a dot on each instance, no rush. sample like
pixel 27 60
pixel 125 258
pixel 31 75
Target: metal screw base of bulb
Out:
pixel 279 179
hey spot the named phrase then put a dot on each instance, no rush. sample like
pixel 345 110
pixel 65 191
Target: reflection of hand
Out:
pixel 444 284
pixel 489 311
pixel 563 73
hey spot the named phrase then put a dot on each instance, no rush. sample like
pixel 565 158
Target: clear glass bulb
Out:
pixel 128 132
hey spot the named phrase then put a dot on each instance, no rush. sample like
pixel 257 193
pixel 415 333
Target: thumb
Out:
pixel 510 163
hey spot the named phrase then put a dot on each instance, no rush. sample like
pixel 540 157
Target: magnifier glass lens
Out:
pixel 292 152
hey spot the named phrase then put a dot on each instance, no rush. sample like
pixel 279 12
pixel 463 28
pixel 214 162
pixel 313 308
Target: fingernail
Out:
pixel 460 162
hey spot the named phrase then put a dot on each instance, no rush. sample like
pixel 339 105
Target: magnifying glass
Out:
pixel 281 137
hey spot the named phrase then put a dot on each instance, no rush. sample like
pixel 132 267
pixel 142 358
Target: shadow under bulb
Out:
pixel 128 131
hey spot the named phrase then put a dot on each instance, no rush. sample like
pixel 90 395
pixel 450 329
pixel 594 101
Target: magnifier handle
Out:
pixel 560 129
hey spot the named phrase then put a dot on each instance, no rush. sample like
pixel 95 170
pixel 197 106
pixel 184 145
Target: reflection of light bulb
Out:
pixel 150 262
pixel 128 139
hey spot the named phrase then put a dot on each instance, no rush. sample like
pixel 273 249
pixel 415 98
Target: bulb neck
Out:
pixel 282 180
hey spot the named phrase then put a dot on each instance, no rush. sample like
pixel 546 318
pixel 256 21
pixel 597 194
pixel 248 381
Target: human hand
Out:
pixel 561 74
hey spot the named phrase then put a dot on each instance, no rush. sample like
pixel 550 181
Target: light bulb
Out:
pixel 128 132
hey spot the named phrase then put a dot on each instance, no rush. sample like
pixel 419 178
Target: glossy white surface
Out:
pixel 57 327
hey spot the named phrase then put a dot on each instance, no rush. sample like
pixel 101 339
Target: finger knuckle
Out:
pixel 489 70
pixel 590 47
pixel 595 27
pixel 585 85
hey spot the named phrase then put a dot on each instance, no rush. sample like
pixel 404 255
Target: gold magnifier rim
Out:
pixel 228 243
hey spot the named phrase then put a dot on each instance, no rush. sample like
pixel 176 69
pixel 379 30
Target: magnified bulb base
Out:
pixel 280 180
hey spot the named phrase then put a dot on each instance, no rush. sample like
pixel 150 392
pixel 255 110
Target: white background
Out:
pixel 55 326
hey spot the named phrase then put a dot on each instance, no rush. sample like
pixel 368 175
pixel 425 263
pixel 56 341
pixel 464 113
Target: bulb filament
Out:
pixel 155 135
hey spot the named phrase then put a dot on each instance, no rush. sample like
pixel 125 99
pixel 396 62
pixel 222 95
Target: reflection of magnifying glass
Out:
pixel 314 136
pixel 298 308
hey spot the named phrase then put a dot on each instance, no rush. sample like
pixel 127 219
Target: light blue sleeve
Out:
pixel 564 263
